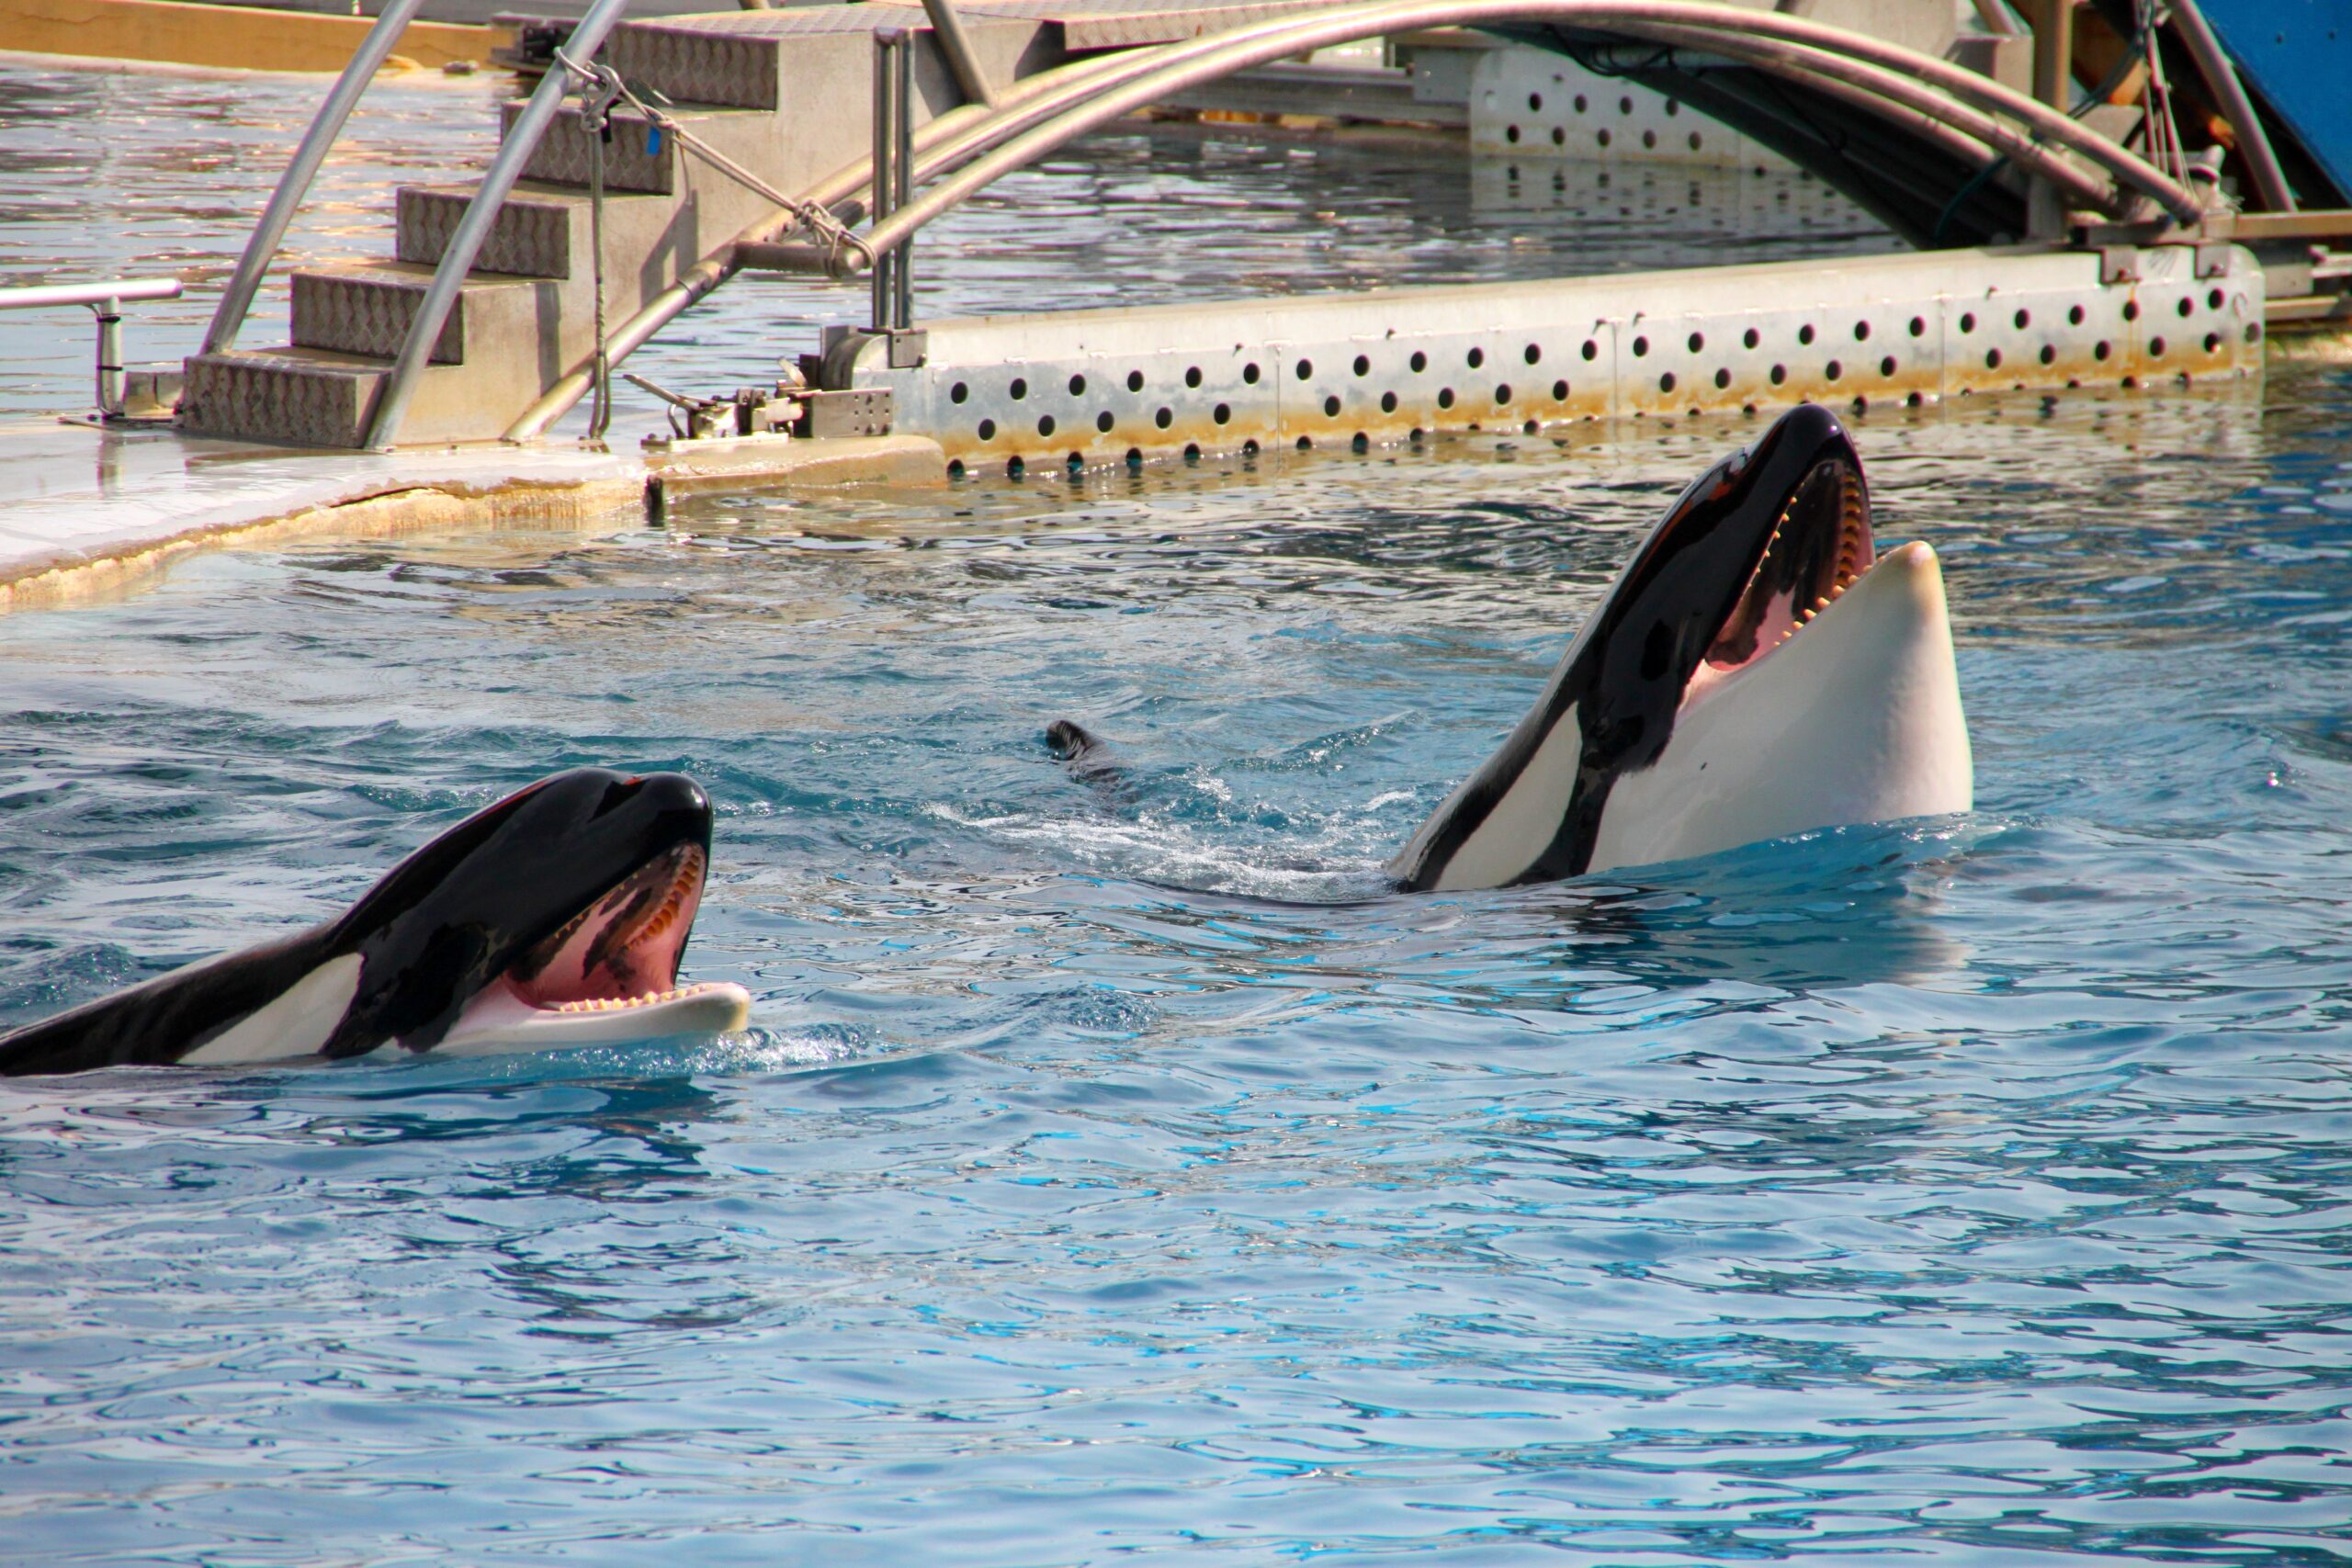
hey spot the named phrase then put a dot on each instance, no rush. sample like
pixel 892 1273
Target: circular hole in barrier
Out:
pixel 987 432
pixel 2049 354
pixel 1590 348
pixel 1134 380
pixel 1364 366
pixel 1559 392
pixel 2212 343
pixel 1751 337
pixel 1919 327
pixel 1477 357
pixel 1249 373
pixel 1665 382
pixel 1164 418
pixel 1331 407
pixel 1580 103
pixel 1698 342
pixel 1624 105
pixel 1502 394
pixel 1861 332
pixel 1779 374
pixel 1641 347
pixel 1833 370
pixel 1968 321
pixel 1532 427
pixel 954 468
pixel 2130 309
pixel 2156 347
pixel 1223 414
pixel 2213 299
pixel 1418 362
pixel 1534 103
pixel 1078 385
pixel 1075 462
pixel 1672 108
pixel 1695 142
pixel 2129 382
pixel 1510 133
pixel 958 392
pixel 1723 379
pixel 2075 315
pixel 2188 307
pixel 1992 359
pixel 1020 388
pixel 1135 457
pixel 1804 333
pixel 1250 449
pixel 1103 422
pixel 1045 424
pixel 1192 375
pixel 1886 366
pixel 1603 137
pixel 1559 136
pixel 2100 349
pixel 1014 468
pixel 2023 318
pixel 1307 444
pixel 1192 451
pixel 1362 443
pixel 1387 402
pixel 1649 138
pixel 1445 396
pixel 1306 369
pixel 1533 354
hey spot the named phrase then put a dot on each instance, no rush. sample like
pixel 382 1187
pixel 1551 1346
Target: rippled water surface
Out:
pixel 1110 1178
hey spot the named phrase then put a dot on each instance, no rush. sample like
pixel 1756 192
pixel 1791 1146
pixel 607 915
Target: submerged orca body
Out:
pixel 1758 670
pixel 555 918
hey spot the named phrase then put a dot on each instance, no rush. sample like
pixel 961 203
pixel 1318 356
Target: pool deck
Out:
pixel 87 512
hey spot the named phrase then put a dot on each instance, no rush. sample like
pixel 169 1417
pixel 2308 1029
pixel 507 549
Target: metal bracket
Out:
pixel 909 347
pixel 2213 261
pixel 2118 263
pixel 863 410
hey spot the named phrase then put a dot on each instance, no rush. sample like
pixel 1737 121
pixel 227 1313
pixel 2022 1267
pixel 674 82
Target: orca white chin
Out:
pixel 1853 716
pixel 499 1023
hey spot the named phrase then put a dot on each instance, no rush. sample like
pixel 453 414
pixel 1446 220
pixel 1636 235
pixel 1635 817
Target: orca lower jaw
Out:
pixel 1820 547
pixel 609 974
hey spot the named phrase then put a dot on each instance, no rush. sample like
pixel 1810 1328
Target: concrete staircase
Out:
pixel 783 93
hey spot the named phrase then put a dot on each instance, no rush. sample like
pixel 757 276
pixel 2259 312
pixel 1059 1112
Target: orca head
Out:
pixel 1756 670
pixel 557 917
pixel 1810 680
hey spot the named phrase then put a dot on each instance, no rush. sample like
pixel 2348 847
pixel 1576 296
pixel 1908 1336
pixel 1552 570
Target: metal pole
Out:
pixel 109 314
pixel 956 45
pixel 885 146
pixel 261 246
pixel 2214 63
pixel 458 259
pixel 902 178
pixel 2053 84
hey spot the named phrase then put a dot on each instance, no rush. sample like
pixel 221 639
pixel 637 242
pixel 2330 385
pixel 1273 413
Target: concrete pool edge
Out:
pixel 102 556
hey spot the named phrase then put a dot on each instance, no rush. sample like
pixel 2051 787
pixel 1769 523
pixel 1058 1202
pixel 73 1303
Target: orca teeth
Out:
pixel 622 1004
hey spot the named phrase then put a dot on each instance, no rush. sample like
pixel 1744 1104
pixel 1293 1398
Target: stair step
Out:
pixel 368 308
pixel 304 397
pixel 561 156
pixel 734 57
pixel 536 234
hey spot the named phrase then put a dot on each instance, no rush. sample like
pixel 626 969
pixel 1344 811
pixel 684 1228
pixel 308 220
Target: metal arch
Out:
pixel 1221 54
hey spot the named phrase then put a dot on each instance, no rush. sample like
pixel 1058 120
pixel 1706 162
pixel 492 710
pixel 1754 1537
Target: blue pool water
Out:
pixel 1139 1181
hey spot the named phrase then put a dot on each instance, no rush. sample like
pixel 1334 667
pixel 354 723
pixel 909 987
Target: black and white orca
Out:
pixel 555 918
pixel 1757 670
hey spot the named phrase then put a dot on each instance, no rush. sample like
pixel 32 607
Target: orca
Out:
pixel 1758 670
pixel 555 918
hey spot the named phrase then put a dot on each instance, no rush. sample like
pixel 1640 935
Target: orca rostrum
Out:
pixel 555 918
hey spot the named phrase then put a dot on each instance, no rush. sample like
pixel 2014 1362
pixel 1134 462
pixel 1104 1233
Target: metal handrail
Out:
pixel 294 184
pixel 399 384
pixel 104 301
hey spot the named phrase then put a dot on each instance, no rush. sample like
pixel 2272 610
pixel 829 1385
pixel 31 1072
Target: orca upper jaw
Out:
pixel 607 976
pixel 1853 716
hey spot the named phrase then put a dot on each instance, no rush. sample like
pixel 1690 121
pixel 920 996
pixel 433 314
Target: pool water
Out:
pixel 1133 1176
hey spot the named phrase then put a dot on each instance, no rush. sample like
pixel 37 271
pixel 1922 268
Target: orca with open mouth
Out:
pixel 1757 670
pixel 555 918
